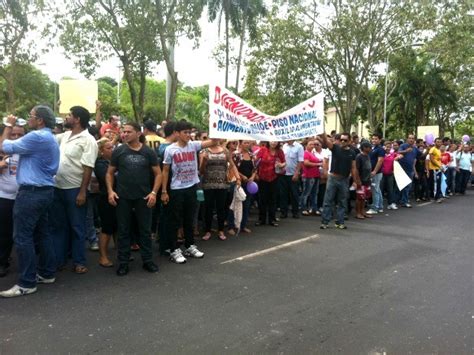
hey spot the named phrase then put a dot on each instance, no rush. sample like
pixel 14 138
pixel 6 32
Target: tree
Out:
pixel 230 10
pixel 251 10
pixel 355 39
pixel 31 88
pixel 97 30
pixel 16 21
pixel 175 18
pixel 277 76
pixel 420 92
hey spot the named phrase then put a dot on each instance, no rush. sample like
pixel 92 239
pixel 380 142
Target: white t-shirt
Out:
pixel 452 163
pixel 76 151
pixel 184 166
pixel 8 185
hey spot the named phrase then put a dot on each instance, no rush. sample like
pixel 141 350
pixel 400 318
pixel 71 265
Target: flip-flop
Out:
pixel 110 264
pixel 222 237
pixel 80 269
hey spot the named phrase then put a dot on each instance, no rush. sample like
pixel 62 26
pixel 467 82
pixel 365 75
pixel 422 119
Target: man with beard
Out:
pixel 78 155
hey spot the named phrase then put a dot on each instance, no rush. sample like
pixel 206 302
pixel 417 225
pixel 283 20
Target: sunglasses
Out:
pixel 344 140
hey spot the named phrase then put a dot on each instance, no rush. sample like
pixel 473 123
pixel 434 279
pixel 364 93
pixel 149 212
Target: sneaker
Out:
pixel 439 200
pixel 340 226
pixel 324 226
pixel 392 206
pixel 177 257
pixel 16 291
pixel 43 280
pixel 406 205
pixel 380 211
pixel 371 211
pixel 194 252
pixel 94 246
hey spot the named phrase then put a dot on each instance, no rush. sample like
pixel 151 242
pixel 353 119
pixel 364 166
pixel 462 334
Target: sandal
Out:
pixel 80 269
pixel 222 237
pixel 107 265
pixel 206 236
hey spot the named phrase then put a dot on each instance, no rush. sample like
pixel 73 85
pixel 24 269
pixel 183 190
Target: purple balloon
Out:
pixel 466 138
pixel 252 188
pixel 429 138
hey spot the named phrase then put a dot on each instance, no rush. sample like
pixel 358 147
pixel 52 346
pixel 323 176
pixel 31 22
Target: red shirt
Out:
pixel 310 171
pixel 445 158
pixel 107 126
pixel 266 163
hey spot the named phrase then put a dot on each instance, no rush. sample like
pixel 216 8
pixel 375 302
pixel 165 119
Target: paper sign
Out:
pixel 78 93
pixel 230 117
pixel 422 131
pixel 401 178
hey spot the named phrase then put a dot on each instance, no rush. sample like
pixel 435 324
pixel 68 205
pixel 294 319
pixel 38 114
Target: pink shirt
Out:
pixel 387 166
pixel 310 171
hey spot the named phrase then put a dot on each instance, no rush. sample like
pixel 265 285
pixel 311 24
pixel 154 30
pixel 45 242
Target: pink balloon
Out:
pixel 466 138
pixel 252 188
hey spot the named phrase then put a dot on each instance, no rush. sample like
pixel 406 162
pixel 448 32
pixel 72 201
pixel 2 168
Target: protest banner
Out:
pixel 401 177
pixel 422 131
pixel 230 117
pixel 78 93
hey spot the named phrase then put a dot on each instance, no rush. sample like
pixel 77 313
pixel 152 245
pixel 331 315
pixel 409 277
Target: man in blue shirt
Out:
pixel 376 160
pixel 39 161
pixel 410 153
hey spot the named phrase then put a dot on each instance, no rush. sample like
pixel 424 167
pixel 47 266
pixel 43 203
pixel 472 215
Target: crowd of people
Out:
pixel 65 187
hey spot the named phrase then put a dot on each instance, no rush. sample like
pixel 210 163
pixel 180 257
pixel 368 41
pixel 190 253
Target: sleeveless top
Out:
pixel 215 173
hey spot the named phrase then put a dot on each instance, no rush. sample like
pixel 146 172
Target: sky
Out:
pixel 195 66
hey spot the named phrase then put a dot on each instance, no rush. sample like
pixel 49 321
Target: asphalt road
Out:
pixel 400 283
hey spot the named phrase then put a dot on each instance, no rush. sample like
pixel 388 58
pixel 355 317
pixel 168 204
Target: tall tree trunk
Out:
pixel 141 95
pixel 171 110
pixel 239 60
pixel 226 48
pixel 10 81
pixel 131 87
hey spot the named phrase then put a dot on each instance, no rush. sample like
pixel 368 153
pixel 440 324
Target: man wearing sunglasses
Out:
pixel 337 188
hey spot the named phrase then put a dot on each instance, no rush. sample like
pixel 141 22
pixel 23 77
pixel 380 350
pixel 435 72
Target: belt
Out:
pixel 35 188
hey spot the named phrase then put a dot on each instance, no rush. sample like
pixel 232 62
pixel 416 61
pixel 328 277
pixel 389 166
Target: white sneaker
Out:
pixel 177 257
pixel 371 211
pixel 44 280
pixel 194 252
pixel 380 211
pixel 392 206
pixel 16 291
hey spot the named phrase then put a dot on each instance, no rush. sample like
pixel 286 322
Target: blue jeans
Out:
pixel 377 197
pixel 310 189
pixel 336 193
pixel 31 221
pixel 69 227
pixel 91 234
pixel 288 188
pixel 405 193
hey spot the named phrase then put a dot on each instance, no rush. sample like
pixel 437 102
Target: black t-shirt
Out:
pixel 341 162
pixel 100 171
pixel 134 171
pixel 376 153
pixel 364 167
